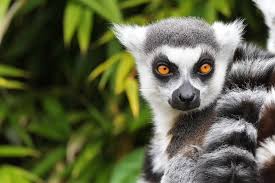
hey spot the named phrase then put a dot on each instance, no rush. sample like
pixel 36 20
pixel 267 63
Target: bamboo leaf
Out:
pixel 84 30
pixel 11 84
pixel 16 151
pixel 46 164
pixel 71 21
pixel 85 158
pixel 133 96
pixel 9 71
pixel 125 66
pixel 132 3
pixel 4 5
pixel 222 6
pixel 105 77
pixel 77 141
pixel 108 9
pixel 104 66
pixel 210 13
pixel 13 174
pixel 128 169
pixel 105 38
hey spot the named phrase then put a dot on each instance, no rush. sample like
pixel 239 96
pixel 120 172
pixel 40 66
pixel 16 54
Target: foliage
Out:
pixel 70 114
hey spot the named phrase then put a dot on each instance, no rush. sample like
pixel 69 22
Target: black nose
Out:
pixel 186 97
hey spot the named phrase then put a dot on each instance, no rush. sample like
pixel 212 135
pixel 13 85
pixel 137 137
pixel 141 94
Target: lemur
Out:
pixel 201 84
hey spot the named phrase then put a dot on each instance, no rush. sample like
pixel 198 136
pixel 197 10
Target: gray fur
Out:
pixel 229 159
pixel 180 169
pixel 179 32
pixel 222 130
pixel 213 167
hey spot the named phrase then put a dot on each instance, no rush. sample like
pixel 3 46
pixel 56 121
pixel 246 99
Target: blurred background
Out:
pixel 70 110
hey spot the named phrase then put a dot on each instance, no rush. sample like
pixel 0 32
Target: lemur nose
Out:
pixel 186 98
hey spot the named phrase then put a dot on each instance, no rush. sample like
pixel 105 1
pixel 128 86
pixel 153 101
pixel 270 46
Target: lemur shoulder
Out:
pixel 210 95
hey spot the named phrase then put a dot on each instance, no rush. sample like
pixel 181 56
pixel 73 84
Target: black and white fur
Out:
pixel 209 143
pixel 182 41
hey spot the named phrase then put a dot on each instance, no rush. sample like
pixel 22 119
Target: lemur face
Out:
pixel 182 62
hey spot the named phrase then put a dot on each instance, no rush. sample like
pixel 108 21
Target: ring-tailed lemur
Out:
pixel 182 65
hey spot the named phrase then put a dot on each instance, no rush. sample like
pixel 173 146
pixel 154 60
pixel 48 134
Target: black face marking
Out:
pixel 180 32
pixel 185 98
pixel 163 60
pixel 206 58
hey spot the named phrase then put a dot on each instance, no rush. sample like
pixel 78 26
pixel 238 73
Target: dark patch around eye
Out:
pixel 205 58
pixel 163 60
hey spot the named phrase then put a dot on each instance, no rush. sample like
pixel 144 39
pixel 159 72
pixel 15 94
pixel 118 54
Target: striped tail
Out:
pixel 230 145
pixel 265 153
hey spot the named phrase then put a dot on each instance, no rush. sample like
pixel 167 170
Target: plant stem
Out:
pixel 9 16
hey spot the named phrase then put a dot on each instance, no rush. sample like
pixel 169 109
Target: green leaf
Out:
pixel 50 160
pixel 125 66
pixel 78 140
pixel 13 174
pixel 142 120
pixel 53 107
pixel 71 21
pixel 4 5
pixel 11 84
pixel 104 66
pixel 222 6
pixel 16 151
pixel 128 169
pixel 105 38
pixel 84 30
pixel 133 95
pixel 85 158
pixel 133 3
pixel 210 13
pixel 9 71
pixel 31 5
pixel 105 77
pixel 108 9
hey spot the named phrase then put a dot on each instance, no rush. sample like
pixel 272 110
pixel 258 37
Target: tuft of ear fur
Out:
pixel 131 36
pixel 229 35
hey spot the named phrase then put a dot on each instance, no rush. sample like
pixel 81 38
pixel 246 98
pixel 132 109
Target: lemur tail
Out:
pixel 256 107
pixel 265 153
pixel 268 9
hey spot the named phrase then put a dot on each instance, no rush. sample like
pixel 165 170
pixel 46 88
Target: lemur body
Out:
pixel 183 100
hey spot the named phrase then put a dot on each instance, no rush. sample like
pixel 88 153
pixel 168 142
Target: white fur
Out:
pixel 266 152
pixel 157 95
pixel 228 126
pixel 164 116
pixel 268 9
pixel 131 36
pixel 251 69
pixel 229 35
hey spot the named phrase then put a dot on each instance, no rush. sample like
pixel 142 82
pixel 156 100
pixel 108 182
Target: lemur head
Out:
pixel 182 62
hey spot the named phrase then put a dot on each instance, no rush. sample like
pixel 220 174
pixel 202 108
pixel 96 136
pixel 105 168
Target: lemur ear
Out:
pixel 131 36
pixel 229 35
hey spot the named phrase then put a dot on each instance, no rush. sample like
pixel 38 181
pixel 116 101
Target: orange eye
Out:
pixel 163 70
pixel 205 68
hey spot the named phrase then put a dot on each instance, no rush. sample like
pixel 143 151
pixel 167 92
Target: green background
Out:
pixel 70 111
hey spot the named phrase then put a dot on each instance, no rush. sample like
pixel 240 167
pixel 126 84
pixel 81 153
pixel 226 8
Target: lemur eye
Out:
pixel 205 68
pixel 163 70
